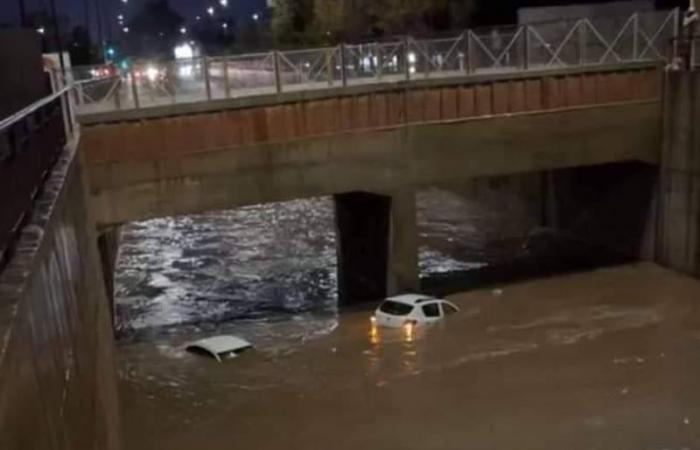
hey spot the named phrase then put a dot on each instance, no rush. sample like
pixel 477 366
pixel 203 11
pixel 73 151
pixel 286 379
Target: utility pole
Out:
pixel 100 37
pixel 57 37
pixel 86 14
pixel 22 14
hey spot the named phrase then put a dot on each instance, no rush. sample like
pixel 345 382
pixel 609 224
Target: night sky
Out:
pixel 489 11
pixel 75 9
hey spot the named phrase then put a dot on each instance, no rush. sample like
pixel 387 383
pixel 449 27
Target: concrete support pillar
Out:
pixel 679 218
pixel 377 245
pixel 403 271
pixel 108 245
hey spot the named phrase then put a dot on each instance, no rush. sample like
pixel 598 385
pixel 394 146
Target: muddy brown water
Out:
pixel 603 359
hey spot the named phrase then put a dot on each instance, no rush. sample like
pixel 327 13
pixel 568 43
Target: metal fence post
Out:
pixel 526 47
pixel 470 52
pixel 676 22
pixel 79 93
pixel 407 59
pixel 207 79
pixel 343 66
pixel 278 76
pixel 227 81
pixel 676 32
pixel 427 64
pixel 635 37
pixel 329 65
pixel 117 97
pixel 582 43
pixel 66 113
pixel 134 89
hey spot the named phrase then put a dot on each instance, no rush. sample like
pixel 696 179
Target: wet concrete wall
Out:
pixel 57 373
pixel 679 222
pixel 612 207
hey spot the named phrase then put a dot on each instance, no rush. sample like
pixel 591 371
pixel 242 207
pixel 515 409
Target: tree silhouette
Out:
pixel 298 21
pixel 154 30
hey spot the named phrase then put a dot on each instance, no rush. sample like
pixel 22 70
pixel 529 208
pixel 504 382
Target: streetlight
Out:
pixel 41 30
pixel 125 30
pixel 223 3
pixel 210 10
pixel 256 17
pixel 183 30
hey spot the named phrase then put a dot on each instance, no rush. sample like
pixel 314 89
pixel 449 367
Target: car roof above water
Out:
pixel 411 299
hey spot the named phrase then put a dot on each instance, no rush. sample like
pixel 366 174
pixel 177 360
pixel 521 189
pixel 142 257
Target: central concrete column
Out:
pixel 679 219
pixel 108 245
pixel 377 245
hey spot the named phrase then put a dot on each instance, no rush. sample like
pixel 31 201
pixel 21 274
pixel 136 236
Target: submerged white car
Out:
pixel 411 309
pixel 219 347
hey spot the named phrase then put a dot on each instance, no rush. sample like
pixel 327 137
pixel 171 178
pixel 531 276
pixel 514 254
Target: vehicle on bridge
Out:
pixel 411 310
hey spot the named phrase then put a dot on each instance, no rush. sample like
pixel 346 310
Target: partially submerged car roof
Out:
pixel 218 346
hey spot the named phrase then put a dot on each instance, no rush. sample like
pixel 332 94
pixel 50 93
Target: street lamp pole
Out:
pixel 100 37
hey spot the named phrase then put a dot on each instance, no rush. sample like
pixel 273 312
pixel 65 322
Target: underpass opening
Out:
pixel 284 260
pixel 541 224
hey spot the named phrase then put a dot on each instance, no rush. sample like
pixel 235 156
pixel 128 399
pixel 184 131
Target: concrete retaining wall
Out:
pixel 57 372
pixel 679 223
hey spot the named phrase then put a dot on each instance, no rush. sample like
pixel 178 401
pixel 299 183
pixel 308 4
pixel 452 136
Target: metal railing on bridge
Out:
pixel 30 142
pixel 548 45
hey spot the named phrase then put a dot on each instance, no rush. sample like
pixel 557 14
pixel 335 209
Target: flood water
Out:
pixel 597 359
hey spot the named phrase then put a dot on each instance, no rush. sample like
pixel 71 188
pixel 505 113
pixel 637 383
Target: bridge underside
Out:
pixel 378 161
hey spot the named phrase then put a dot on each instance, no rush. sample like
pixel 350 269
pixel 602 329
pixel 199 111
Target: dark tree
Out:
pixel 154 30
pixel 81 51
pixel 293 21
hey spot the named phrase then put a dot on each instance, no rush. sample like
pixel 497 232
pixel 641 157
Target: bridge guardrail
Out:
pixel 30 142
pixel 640 37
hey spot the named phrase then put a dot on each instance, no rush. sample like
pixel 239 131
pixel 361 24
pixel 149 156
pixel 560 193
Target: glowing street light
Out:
pixel 256 17
pixel 210 10
pixel 125 30
pixel 41 30
pixel 224 25
pixel 120 17
pixel 223 3
pixel 183 30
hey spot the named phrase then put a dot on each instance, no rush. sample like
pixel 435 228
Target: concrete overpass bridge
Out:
pixel 370 124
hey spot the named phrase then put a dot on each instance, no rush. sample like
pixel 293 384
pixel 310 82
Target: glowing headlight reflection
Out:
pixel 374 334
pixel 152 73
pixel 408 331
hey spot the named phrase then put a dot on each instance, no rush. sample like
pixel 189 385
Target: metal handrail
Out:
pixel 570 42
pixel 34 107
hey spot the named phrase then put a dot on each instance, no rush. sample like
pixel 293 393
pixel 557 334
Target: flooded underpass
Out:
pixel 602 358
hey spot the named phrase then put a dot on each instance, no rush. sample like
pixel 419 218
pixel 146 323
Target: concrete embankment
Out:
pixel 57 371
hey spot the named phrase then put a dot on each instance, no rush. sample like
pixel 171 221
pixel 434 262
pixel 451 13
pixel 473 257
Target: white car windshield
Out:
pixel 395 308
